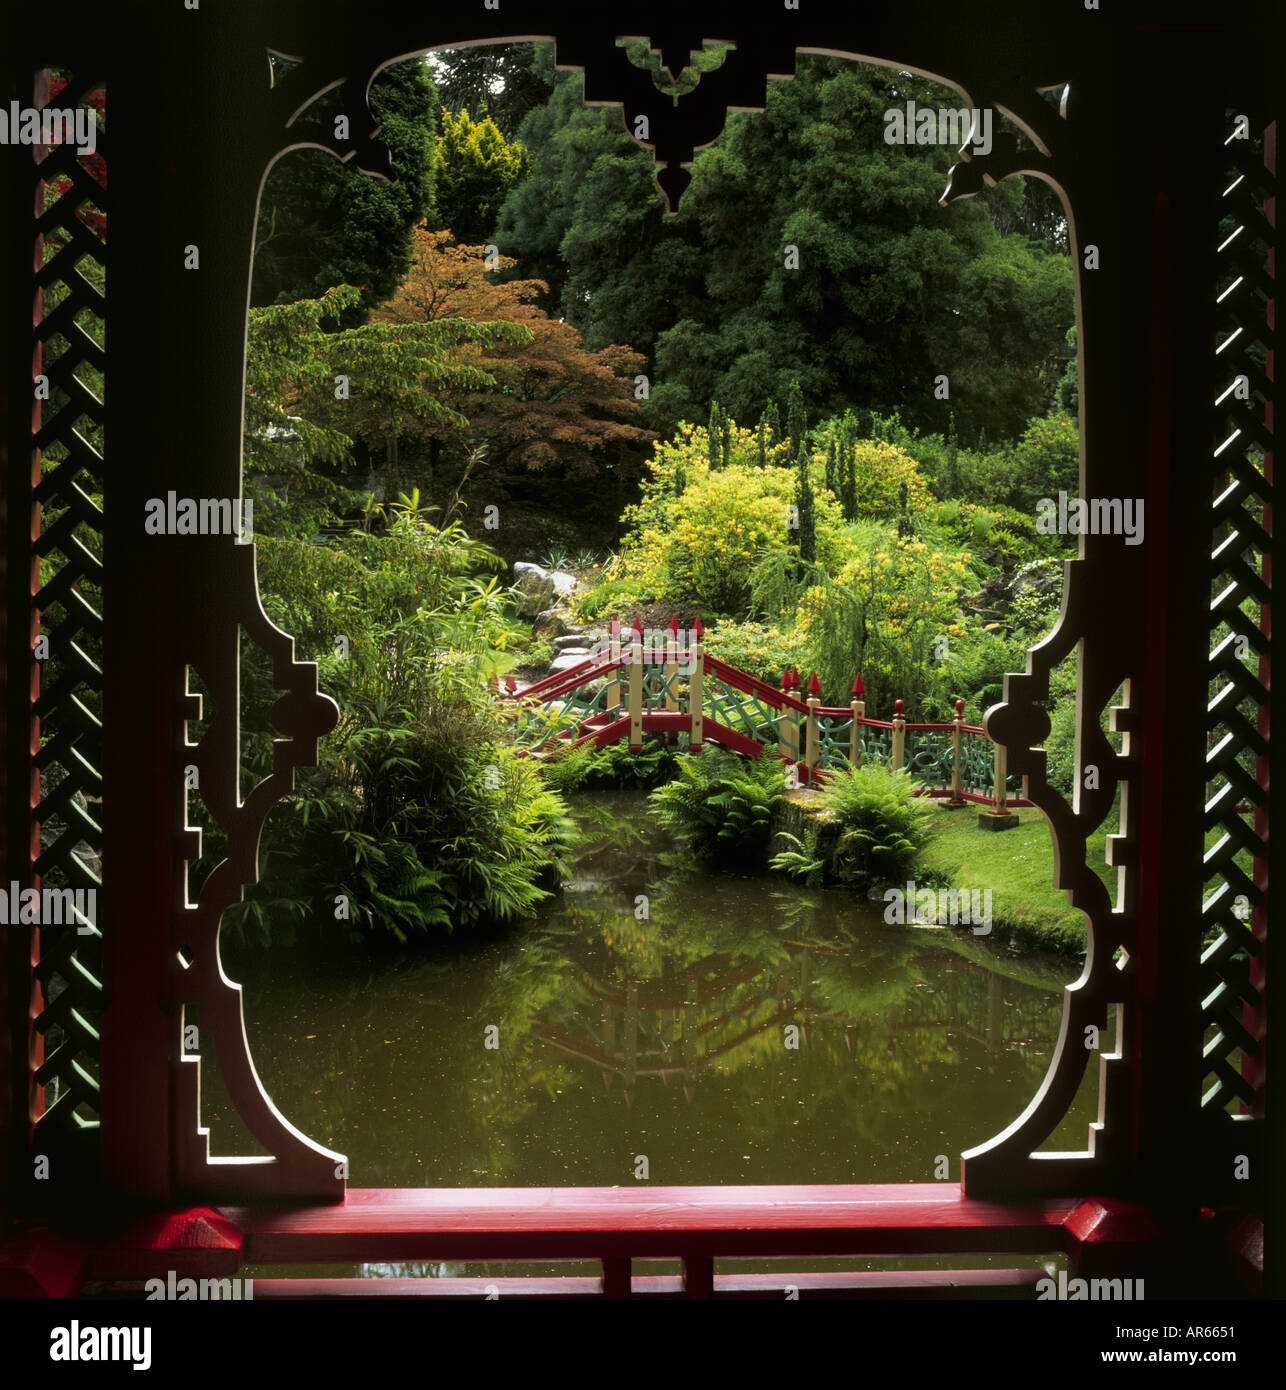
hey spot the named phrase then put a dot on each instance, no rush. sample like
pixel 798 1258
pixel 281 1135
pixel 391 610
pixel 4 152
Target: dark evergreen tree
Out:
pixel 774 424
pixel 804 505
pixel 713 432
pixel 796 420
pixel 894 280
pixel 503 81
pixel 323 223
pixel 849 499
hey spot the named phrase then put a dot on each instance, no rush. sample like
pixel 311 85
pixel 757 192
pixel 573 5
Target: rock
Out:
pixel 572 640
pixel 564 584
pixel 1038 580
pixel 553 624
pixel 523 568
pixel 566 660
pixel 534 590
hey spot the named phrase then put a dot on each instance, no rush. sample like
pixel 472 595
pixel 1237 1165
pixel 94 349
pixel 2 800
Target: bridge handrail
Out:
pixel 550 687
pixel 752 685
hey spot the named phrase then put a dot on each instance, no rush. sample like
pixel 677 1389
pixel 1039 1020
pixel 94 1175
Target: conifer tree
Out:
pixel 796 421
pixel 849 499
pixel 712 437
pixel 804 504
pixel 774 424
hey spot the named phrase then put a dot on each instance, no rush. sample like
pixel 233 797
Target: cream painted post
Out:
pixel 858 708
pixel 784 745
pixel 612 698
pixel 671 668
pixel 636 697
pixel 812 737
pixel 636 686
pixel 898 760
pixel 695 695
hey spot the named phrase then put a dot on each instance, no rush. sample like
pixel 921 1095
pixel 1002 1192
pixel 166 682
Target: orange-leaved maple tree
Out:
pixel 555 404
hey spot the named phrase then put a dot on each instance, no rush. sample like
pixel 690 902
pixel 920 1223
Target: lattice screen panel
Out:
pixel 1234 913
pixel 69 193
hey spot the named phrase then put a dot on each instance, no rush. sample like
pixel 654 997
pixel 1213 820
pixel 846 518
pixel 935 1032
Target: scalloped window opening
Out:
pixel 809 414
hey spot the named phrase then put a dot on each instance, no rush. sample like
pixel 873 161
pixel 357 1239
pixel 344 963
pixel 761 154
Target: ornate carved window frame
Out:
pixel 1145 318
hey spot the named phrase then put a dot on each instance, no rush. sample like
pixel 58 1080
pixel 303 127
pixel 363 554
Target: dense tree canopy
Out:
pixel 474 168
pixel 323 224
pixel 310 393
pixel 553 404
pixel 891 292
pixel 503 81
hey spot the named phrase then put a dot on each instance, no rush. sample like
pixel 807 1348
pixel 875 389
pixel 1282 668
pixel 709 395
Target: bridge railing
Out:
pixel 632 687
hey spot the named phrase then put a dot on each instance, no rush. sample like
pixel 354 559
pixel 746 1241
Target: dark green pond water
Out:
pixel 618 1038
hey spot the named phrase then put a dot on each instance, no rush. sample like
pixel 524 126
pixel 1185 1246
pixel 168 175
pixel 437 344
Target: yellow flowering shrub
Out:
pixel 699 547
pixel 882 615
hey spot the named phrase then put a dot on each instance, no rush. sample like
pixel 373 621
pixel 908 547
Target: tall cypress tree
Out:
pixel 804 504
pixel 774 424
pixel 712 437
pixel 796 420
pixel 849 470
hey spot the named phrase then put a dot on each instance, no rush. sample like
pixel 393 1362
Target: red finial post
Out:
pixel 813 735
pixel 857 705
pixel 698 628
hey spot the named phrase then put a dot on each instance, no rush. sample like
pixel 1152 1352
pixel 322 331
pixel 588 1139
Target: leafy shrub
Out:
pixel 1048 456
pixel 994 478
pixel 1033 612
pixel 759 649
pixel 415 816
pixel 569 768
pixel 722 804
pixel 415 841
pixel 882 614
pixel 973 671
pixel 877 828
pixel 698 547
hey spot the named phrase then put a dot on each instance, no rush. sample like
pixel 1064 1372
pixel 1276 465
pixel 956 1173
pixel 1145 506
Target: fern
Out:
pixel 722 805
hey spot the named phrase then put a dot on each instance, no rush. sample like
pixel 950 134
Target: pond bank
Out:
pixel 1016 867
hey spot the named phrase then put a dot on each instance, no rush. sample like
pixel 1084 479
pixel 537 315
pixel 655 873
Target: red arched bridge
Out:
pixel 668 683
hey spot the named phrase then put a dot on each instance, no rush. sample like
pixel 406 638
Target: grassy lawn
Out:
pixel 1018 867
